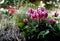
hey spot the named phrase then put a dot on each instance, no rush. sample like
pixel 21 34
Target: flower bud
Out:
pixel 25 20
pixel 56 14
pixel 11 11
pixel 52 21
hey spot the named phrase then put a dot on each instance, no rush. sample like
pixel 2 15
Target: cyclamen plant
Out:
pixel 39 25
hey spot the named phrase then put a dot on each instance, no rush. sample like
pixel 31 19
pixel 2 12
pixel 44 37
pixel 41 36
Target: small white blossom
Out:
pixel 2 2
pixel 41 4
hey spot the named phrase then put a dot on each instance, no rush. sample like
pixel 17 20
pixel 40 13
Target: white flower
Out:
pixel 50 2
pixel 57 22
pixel 1 9
pixel 41 4
pixel 57 0
pixel 2 2
pixel 54 3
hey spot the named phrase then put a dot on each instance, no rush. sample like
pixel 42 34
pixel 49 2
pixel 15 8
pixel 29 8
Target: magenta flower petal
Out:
pixel 41 15
pixel 33 17
pixel 39 11
pixel 31 10
pixel 46 15
pixel 29 14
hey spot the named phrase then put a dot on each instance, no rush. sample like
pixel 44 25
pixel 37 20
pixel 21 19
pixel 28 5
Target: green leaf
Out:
pixel 56 28
pixel 6 13
pixel 46 32
pixel 33 30
pixel 34 24
pixel 20 24
pixel 24 34
pixel 1 33
pixel 5 27
pixel 43 33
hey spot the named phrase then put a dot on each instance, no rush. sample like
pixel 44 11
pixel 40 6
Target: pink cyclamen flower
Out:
pixel 31 10
pixel 52 21
pixel 11 11
pixel 33 17
pixel 25 20
pixel 46 14
pixel 56 14
pixel 42 8
pixel 39 11
pixel 40 14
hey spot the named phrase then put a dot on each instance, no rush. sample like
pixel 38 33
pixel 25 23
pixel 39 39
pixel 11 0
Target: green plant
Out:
pixel 41 28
